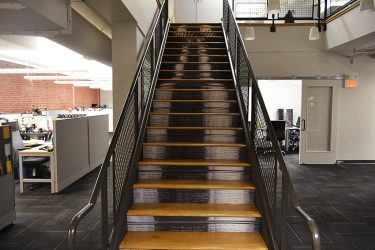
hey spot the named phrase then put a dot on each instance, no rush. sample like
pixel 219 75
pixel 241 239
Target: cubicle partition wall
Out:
pixel 80 146
pixel 7 207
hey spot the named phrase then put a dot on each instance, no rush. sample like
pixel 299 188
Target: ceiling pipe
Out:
pixel 92 16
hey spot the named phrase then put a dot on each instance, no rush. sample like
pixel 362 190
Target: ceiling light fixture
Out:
pixel 314 33
pixel 273 7
pixel 51 78
pixel 249 33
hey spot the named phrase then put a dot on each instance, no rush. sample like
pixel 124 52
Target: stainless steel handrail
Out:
pixel 287 185
pixel 101 182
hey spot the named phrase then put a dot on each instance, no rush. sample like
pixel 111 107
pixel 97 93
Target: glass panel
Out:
pixel 318 119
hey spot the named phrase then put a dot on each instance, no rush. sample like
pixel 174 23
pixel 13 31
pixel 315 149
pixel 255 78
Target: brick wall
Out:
pixel 19 95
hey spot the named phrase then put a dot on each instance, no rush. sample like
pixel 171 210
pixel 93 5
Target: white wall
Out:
pixel 143 12
pixel 350 26
pixel 289 52
pixel 106 98
pixel 285 94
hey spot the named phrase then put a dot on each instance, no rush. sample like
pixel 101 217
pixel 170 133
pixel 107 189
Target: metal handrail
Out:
pixel 101 182
pixel 287 186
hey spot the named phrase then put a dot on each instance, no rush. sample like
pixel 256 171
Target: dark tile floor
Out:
pixel 43 218
pixel 340 198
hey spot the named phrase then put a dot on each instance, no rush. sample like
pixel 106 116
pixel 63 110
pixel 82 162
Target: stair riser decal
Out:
pixel 202 58
pixel 200 66
pixel 226 136
pixel 195 74
pixel 200 107
pixel 201 29
pixel 194 95
pixel 200 51
pixel 193 196
pixel 198 85
pixel 195 45
pixel 179 38
pixel 207 153
pixel 192 224
pixel 195 121
pixel 168 173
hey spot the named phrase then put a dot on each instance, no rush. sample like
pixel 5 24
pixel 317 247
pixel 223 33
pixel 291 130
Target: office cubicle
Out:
pixel 80 146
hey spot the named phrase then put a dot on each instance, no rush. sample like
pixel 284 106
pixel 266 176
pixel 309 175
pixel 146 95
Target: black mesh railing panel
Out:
pixel 250 8
pixel 275 193
pixel 257 9
pixel 123 152
pixel 300 8
pixel 243 74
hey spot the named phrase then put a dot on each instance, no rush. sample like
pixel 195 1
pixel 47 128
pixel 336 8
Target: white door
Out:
pixel 318 140
pixel 186 11
pixel 209 11
pixel 199 11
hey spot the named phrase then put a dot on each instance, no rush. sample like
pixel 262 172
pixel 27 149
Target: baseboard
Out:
pixel 355 162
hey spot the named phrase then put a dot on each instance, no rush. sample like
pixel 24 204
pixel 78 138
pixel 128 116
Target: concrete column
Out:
pixel 124 63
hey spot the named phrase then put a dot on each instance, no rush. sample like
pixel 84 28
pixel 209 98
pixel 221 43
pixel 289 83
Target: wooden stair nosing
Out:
pixel 196 36
pixel 197 101
pixel 194 210
pixel 192 90
pixel 196 70
pixel 225 55
pixel 195 62
pixel 193 144
pixel 196 80
pixel 191 114
pixel 195 128
pixel 189 162
pixel 179 48
pixel 193 240
pixel 194 184
pixel 169 42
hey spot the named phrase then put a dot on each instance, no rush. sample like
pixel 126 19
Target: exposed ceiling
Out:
pixel 360 49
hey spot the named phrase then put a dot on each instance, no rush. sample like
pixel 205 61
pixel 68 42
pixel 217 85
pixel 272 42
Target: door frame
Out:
pixel 320 157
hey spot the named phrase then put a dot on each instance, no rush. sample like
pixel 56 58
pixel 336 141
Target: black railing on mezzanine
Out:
pixel 125 147
pixel 302 10
pixel 277 197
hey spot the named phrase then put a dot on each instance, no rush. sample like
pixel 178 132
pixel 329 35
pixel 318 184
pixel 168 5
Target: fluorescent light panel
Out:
pixel 41 78
pixel 40 71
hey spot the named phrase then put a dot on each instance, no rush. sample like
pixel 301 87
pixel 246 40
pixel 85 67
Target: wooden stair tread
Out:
pixel 194 70
pixel 194 209
pixel 193 240
pixel 196 36
pixel 194 184
pixel 200 90
pixel 197 48
pixel 195 128
pixel 185 42
pixel 195 55
pixel 189 101
pixel 179 113
pixel 190 162
pixel 196 80
pixel 195 62
pixel 193 144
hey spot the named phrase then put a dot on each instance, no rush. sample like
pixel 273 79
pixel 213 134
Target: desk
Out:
pixel 38 152
pixel 292 135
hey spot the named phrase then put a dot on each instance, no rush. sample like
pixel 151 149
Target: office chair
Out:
pixel 279 128
pixel 30 162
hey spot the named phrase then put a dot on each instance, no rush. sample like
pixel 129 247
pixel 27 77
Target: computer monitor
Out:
pixel 298 123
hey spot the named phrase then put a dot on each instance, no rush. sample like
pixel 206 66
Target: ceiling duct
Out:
pixel 35 17
pixel 92 16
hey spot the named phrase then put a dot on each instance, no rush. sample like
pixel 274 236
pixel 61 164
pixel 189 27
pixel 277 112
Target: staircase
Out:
pixel 193 189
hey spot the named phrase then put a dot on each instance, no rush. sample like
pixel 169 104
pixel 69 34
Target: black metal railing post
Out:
pixel 125 147
pixel 268 160
pixel 284 213
pixel 104 206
